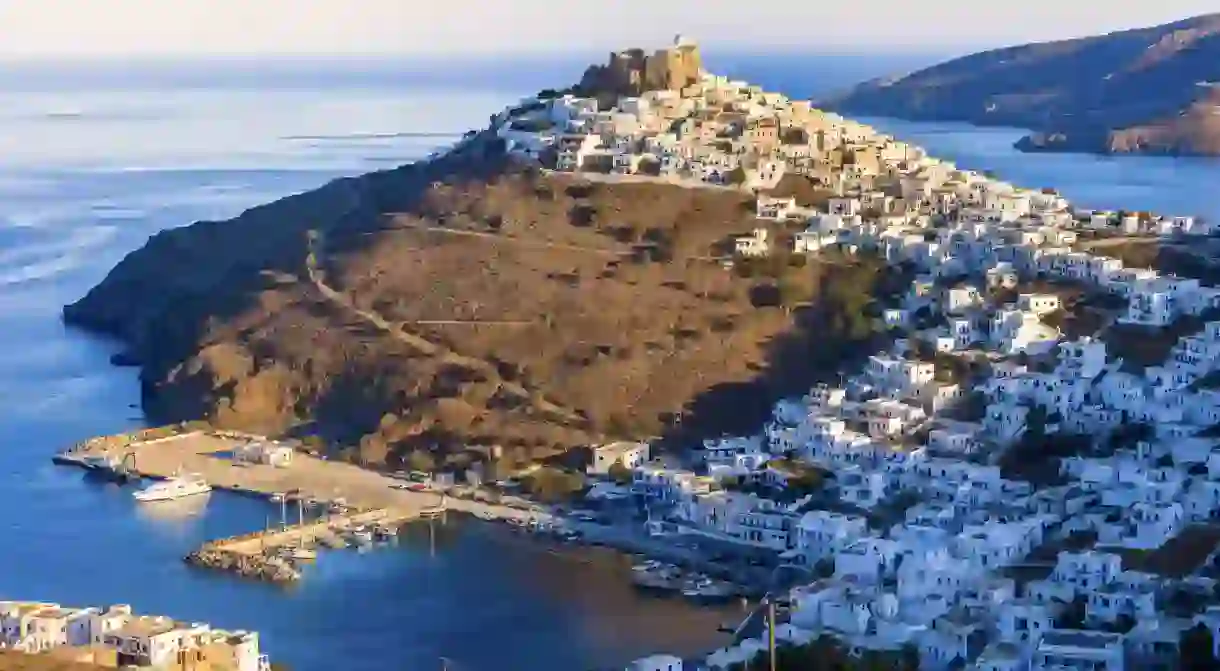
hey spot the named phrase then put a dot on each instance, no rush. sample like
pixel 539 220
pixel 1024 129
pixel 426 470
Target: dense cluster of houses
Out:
pixel 706 131
pixel 115 637
pixel 917 538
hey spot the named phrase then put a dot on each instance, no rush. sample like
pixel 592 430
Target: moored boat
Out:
pixel 302 554
pixel 179 486
pixel 663 578
pixel 105 467
pixel 362 537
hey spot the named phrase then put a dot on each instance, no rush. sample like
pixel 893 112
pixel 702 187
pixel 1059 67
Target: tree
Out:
pixel 1073 617
pixel 313 444
pixel 789 292
pixel 824 654
pixel 553 485
pixel 619 473
pixel 421 460
pixel 1197 649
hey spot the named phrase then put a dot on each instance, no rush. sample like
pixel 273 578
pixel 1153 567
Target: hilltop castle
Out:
pixel 631 72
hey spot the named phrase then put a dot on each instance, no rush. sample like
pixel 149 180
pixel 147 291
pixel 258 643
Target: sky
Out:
pixel 185 28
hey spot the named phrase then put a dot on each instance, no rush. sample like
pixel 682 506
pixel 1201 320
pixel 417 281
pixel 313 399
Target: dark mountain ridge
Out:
pixel 1146 90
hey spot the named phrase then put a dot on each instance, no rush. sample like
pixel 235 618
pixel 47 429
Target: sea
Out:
pixel 96 157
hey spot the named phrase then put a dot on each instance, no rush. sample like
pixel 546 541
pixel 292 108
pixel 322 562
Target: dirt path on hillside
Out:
pixel 423 345
pixel 400 225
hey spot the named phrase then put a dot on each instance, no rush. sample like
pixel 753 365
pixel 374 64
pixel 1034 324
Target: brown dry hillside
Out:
pixel 16 661
pixel 460 304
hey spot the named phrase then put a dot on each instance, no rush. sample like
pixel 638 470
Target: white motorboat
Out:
pixel 177 487
pixel 362 537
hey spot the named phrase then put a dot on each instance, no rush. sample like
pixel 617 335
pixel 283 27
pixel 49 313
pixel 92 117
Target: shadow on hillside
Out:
pixel 833 334
pixel 796 360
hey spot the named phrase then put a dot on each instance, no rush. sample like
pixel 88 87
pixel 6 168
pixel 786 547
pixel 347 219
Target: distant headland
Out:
pixel 1145 91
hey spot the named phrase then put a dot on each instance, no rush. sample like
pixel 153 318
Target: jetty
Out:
pixel 260 554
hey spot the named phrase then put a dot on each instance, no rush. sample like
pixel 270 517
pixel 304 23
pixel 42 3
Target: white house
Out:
pixel 657 663
pixel 574 150
pixel 152 641
pixel 630 455
pixel 960 440
pixel 1039 304
pixel 844 207
pixel 820 533
pixel 1086 571
pixel 1077 649
pixel 269 453
pixel 755 243
pixel 767 207
pixel 1023 621
pixel 868 560
pixel 1005 422
pixel 812 240
pixel 1015 331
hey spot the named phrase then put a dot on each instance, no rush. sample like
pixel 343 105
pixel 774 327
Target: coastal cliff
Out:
pixel 1144 91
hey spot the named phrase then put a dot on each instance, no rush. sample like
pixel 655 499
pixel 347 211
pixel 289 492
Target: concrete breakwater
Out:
pixel 258 567
pixel 257 554
pixel 143 436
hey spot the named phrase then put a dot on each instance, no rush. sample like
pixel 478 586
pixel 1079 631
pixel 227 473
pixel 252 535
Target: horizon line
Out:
pixel 432 56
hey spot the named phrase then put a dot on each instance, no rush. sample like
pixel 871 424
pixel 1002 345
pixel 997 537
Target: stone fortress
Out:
pixel 632 72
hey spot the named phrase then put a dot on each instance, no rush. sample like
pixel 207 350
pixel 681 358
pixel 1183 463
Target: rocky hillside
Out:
pixel 1150 90
pixel 17 661
pixel 464 302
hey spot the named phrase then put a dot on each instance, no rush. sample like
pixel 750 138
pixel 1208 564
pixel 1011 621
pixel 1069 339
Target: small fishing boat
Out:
pixel 106 468
pixel 706 590
pixel 648 565
pixel 362 537
pixel 656 581
pixel 302 553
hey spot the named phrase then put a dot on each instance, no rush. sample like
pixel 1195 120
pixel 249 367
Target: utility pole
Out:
pixel 771 630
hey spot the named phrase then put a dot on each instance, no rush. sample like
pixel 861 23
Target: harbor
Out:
pixel 328 504
pixel 351 506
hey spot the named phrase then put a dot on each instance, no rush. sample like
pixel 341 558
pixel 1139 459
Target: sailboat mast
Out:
pixel 301 520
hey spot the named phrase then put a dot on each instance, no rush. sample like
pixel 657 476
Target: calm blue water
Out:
pixel 91 166
pixel 1185 186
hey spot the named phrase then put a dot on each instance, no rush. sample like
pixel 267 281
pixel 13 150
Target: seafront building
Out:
pixel 1026 477
pixel 116 637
